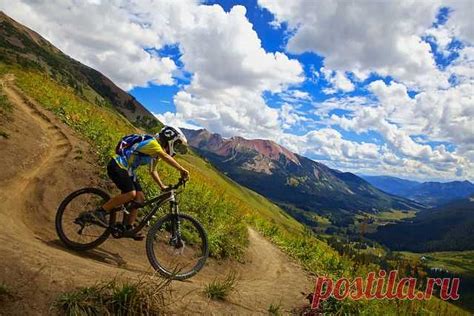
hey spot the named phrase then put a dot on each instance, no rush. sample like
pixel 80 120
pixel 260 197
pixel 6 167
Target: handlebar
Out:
pixel 181 182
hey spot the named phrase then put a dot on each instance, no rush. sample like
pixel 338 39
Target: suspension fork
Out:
pixel 174 210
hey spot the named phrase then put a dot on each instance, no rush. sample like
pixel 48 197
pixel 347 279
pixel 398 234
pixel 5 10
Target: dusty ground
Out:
pixel 36 174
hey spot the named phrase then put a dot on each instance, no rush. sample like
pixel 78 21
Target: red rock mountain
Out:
pixel 266 151
pixel 297 183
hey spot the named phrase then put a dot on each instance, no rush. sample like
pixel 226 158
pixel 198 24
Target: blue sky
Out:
pixel 369 87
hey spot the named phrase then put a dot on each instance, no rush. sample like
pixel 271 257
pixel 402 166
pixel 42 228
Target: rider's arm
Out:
pixel 154 174
pixel 170 160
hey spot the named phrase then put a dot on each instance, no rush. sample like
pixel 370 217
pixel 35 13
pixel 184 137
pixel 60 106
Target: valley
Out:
pixel 301 186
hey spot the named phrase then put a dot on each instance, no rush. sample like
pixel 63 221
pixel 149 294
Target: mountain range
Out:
pixel 428 193
pixel 297 183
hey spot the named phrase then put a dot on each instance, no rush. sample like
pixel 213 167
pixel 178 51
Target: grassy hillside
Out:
pixel 451 264
pixel 103 127
pixel 22 46
pixel 447 228
pixel 458 262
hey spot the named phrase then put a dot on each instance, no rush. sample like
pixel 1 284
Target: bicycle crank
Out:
pixel 117 230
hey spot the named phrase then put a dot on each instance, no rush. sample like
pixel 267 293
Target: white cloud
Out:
pixel 461 19
pixel 100 34
pixel 365 36
pixel 298 94
pixel 386 38
pixel 295 97
pixel 350 104
pixel 438 115
pixel 175 119
pixel 329 143
pixel 291 117
pixel 338 80
pixel 230 71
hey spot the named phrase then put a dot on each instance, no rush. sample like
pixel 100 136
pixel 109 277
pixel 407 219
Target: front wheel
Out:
pixel 177 246
pixel 78 234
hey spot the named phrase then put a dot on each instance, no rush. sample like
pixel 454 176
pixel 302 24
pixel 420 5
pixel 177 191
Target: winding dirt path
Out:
pixel 42 161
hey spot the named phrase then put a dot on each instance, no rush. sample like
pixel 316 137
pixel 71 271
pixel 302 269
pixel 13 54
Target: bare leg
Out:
pixel 119 200
pixel 139 198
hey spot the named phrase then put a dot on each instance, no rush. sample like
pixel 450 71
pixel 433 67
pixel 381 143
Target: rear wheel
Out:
pixel 177 255
pixel 72 226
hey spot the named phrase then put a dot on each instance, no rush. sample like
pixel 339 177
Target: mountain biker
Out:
pixel 121 170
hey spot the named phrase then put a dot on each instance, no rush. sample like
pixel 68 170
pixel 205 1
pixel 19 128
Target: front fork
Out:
pixel 175 240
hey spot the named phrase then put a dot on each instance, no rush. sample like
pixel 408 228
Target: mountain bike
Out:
pixel 176 243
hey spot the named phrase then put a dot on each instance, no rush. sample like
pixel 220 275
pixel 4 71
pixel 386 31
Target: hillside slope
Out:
pixel 41 173
pixel 292 180
pixel 37 268
pixel 447 228
pixel 428 193
pixel 20 45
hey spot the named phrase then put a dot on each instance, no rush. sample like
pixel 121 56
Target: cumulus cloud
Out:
pixel 388 40
pixel 230 69
pixel 461 19
pixel 338 81
pixel 420 123
pixel 291 117
pixel 440 116
pixel 230 72
pixel 383 37
pixel 175 119
pixel 329 143
pixel 295 96
pixel 101 35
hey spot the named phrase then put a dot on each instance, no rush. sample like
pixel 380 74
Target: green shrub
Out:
pixel 220 289
pixel 5 112
pixel 274 309
pixel 84 301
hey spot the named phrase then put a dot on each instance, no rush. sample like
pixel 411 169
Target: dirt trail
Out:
pixel 42 161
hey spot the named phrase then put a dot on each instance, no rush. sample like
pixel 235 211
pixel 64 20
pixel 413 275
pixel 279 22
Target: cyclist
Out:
pixel 121 170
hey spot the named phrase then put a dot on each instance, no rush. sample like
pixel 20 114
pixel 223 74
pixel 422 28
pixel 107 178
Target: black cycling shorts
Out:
pixel 121 178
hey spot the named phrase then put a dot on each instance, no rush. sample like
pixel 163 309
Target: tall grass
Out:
pixel 143 296
pixel 274 309
pixel 5 111
pixel 219 289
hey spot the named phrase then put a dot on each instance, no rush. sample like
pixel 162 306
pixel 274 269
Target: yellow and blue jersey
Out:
pixel 143 153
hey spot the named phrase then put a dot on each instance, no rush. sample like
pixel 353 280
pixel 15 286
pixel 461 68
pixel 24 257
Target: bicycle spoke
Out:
pixel 73 221
pixel 181 253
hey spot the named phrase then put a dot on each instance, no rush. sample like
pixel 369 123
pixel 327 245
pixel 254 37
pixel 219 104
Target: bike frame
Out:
pixel 169 196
